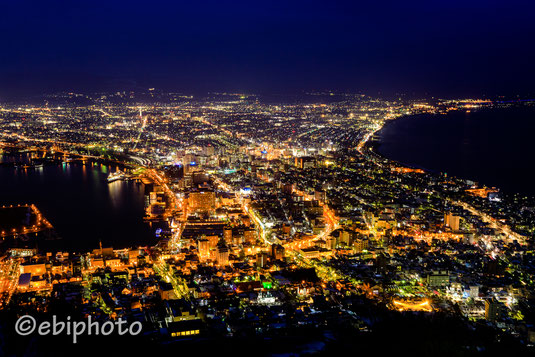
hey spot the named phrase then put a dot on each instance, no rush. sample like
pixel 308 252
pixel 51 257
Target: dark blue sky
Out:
pixel 445 48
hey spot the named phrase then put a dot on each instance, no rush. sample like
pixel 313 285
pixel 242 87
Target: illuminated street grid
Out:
pixel 278 215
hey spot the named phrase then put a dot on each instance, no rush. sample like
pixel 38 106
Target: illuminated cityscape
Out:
pixel 277 178
pixel 293 222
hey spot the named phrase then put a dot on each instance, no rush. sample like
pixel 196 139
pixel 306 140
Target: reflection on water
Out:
pixel 80 204
pixel 116 192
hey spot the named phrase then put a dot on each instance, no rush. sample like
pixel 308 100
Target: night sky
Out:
pixel 442 48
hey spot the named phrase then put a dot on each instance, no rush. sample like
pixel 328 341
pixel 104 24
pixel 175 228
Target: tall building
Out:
pixel 249 235
pixel 492 309
pixel 212 241
pixel 330 242
pixel 227 234
pixel 277 251
pixel 203 246
pixel 261 259
pixel 345 237
pixel 222 255
pixel 452 221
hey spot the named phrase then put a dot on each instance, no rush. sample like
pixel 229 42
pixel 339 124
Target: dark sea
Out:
pixel 495 147
pixel 79 202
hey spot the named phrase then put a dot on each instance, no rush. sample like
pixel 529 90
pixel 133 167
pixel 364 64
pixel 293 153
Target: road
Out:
pixel 9 279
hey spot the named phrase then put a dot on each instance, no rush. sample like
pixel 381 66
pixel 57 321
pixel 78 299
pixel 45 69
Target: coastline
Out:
pixel 484 179
pixel 371 148
pixel 373 143
pixel 112 199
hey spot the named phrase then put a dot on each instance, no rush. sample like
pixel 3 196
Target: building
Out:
pixel 166 291
pixel 34 269
pixel 305 162
pixel 201 201
pixel 320 195
pixel 474 291
pixel 227 234
pixel 249 235
pixel 452 221
pixel 208 150
pixel 330 242
pixel 277 251
pixel 345 238
pixel 310 253
pixel 222 255
pixel 200 177
pixel 261 259
pixel 438 279
pixel 360 245
pixel 185 329
pixel 203 246
pixel 492 309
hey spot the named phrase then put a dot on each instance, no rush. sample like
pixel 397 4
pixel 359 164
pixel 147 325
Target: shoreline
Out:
pixel 374 144
pixel 91 164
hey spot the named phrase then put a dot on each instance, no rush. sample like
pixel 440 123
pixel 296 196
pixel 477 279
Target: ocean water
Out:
pixel 81 205
pixel 495 147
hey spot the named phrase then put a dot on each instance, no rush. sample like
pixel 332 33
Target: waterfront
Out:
pixel 489 146
pixel 79 202
pixel 283 213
